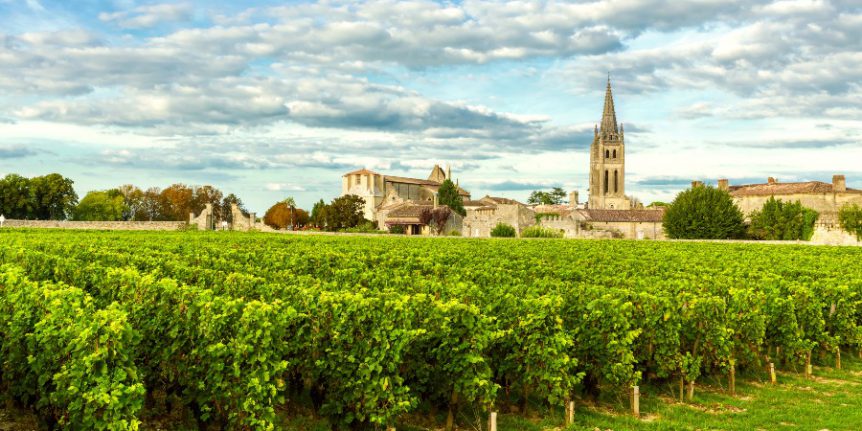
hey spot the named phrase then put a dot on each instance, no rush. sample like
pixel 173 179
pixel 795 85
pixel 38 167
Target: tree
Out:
pixel 104 205
pixel 152 205
pixel 440 216
pixel 291 205
pixel 779 220
pixel 52 197
pixel 448 195
pixel 703 212
pixel 226 213
pixel 133 199
pixel 177 202
pixel 850 219
pixel 345 212
pixel 15 197
pixel 207 195
pixel 318 214
pixel 281 215
pixel 556 196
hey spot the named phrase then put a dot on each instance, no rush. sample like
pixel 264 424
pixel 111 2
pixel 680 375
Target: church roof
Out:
pixel 609 115
pixel 776 188
pixel 644 216
pixel 434 185
pixel 362 171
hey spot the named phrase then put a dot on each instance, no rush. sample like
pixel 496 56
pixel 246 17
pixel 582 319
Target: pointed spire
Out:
pixel 609 116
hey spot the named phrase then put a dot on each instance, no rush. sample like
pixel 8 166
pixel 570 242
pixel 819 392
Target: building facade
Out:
pixel 608 161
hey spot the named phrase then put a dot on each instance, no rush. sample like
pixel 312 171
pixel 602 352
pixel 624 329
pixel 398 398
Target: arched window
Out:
pixel 607 154
pixel 615 154
pixel 616 182
pixel 606 182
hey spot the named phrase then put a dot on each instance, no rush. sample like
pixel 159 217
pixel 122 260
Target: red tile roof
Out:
pixel 362 171
pixel 776 188
pixel 645 216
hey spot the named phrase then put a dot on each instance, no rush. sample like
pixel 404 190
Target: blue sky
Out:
pixel 272 99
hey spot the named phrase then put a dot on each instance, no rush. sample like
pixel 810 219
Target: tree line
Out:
pixel 53 197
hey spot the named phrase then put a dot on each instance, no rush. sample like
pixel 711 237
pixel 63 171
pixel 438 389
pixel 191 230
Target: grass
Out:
pixel 832 401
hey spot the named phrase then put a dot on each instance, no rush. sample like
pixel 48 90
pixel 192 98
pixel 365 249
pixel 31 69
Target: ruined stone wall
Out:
pixel 827 204
pixel 479 223
pixel 96 225
pixel 829 235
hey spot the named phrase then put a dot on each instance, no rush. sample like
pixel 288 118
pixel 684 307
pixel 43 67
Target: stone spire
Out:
pixel 609 116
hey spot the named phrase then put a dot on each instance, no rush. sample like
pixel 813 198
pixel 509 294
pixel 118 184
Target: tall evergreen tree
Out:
pixel 448 195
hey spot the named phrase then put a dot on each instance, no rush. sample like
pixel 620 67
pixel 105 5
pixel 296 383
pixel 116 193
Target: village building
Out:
pixel 486 213
pixel 825 198
pixel 398 198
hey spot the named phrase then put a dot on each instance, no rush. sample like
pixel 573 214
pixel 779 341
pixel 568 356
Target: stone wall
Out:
pixel 829 235
pixel 204 221
pixel 827 204
pixel 97 225
pixel 479 223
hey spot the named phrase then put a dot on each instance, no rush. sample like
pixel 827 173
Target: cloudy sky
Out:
pixel 274 98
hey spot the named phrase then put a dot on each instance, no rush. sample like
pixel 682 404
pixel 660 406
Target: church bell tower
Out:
pixel 608 161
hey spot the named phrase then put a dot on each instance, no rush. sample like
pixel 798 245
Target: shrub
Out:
pixel 850 218
pixel 503 230
pixel 703 212
pixel 541 232
pixel 454 233
pixel 779 220
pixel 397 229
pixel 366 227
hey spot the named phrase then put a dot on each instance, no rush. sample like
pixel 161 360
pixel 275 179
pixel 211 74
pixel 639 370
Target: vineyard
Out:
pixel 102 330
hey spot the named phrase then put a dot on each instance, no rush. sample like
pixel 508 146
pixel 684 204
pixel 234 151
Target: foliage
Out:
pixel 364 227
pixel 105 205
pixel 370 329
pixel 503 230
pixel 49 197
pixel 345 212
pixel 703 212
pixel 448 195
pixel 397 229
pixel 850 219
pixel 779 220
pixel 541 232
pixel 318 214
pixel 435 218
pixel 281 216
pixel 556 196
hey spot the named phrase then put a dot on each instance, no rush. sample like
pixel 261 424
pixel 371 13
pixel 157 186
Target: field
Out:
pixel 116 330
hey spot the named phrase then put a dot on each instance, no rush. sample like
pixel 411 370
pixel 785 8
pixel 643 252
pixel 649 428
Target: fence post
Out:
pixel 838 359
pixel 636 401
pixel 570 413
pixel 492 421
pixel 772 378
pixel 809 370
pixel 732 380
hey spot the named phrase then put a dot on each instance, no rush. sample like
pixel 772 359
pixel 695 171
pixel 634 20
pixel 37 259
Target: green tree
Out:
pixel 345 212
pixel 448 195
pixel 103 205
pixel 318 214
pixel 556 196
pixel 703 212
pixel 850 218
pixel 15 200
pixel 226 214
pixel 52 197
pixel 291 205
pixel 779 220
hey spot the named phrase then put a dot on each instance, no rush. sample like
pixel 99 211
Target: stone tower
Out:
pixel 608 161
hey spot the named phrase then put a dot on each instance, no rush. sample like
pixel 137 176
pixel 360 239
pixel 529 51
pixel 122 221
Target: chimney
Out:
pixel 839 184
pixel 696 184
pixel 723 184
pixel 771 181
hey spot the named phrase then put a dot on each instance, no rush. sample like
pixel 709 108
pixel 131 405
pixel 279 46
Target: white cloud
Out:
pixel 145 16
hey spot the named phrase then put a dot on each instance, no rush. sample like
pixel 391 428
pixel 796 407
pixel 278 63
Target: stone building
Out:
pixel 384 192
pixel 825 198
pixel 608 161
pixel 483 215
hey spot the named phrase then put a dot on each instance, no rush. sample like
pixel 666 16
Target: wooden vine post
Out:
pixel 636 401
pixel 772 378
pixel 838 358
pixel 570 412
pixel 808 368
pixel 492 421
pixel 681 387
pixel 732 382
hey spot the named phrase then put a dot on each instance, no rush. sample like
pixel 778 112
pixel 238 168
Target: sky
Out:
pixel 271 99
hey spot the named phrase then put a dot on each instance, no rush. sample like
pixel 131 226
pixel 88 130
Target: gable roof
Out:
pixel 362 171
pixel 501 201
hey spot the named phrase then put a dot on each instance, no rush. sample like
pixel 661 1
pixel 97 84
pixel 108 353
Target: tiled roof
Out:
pixel 428 183
pixel 362 171
pixel 648 216
pixel 471 203
pixel 776 188
pixel 503 201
